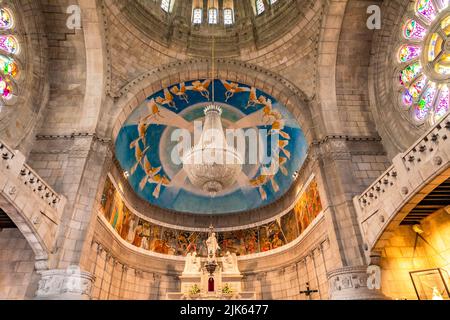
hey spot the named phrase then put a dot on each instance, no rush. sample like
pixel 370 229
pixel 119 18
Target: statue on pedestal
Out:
pixel 230 263
pixel 213 246
pixel 193 264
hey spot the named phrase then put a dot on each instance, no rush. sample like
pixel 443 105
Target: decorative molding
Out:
pixel 384 204
pixel 73 136
pixel 70 284
pixel 350 283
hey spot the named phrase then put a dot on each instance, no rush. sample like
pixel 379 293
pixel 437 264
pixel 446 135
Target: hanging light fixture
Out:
pixel 212 165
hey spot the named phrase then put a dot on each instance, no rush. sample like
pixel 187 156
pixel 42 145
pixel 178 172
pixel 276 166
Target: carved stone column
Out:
pixel 68 284
pixel 350 283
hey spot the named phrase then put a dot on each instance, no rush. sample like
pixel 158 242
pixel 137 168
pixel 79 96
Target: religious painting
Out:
pixel 107 198
pixel 125 225
pixel 149 236
pixel 170 237
pixel 289 226
pixel 308 207
pixel 145 148
pixel 117 212
pixel 138 233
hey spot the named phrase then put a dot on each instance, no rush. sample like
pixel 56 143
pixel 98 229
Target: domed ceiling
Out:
pixel 175 29
pixel 149 147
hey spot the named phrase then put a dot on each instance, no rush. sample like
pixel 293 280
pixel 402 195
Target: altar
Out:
pixel 211 278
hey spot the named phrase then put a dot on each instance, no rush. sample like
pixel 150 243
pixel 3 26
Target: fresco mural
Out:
pixel 145 147
pixel 148 236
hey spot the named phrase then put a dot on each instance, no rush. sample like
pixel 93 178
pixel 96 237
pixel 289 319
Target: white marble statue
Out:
pixel 230 263
pixel 193 264
pixel 213 246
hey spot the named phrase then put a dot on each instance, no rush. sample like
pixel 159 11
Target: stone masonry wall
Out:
pixel 399 257
pixel 18 280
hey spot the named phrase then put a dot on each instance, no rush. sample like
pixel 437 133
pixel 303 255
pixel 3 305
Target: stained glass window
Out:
pixel 212 16
pixel 424 61
pixel 259 7
pixel 425 9
pixel 8 66
pixel 197 16
pixel 6 19
pixel 413 30
pixel 5 88
pixel 9 44
pixel 9 47
pixel 228 16
pixel 409 52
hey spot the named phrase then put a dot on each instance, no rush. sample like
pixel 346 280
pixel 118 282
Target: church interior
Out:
pixel 225 150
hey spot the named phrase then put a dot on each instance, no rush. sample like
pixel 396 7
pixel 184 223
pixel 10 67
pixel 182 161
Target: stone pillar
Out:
pixel 67 284
pixel 350 283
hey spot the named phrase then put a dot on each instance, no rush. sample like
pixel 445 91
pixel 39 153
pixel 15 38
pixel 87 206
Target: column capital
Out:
pixel 350 283
pixel 65 284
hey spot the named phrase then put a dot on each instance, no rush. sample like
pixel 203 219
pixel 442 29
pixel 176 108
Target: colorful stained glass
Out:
pixel 415 90
pixel 425 104
pixel 9 44
pixel 408 52
pixel 445 24
pixel 8 66
pixel 426 9
pixel 435 47
pixel 442 105
pixel 408 74
pixel 6 19
pixel 407 98
pixel 413 30
pixel 5 89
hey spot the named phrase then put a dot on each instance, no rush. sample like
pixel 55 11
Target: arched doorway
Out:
pixel 211 285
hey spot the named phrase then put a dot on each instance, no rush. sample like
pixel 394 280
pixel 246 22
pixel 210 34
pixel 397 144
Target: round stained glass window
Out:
pixel 423 60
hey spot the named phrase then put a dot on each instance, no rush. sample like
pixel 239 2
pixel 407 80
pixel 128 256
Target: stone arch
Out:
pixel 134 93
pixel 328 51
pixel 33 238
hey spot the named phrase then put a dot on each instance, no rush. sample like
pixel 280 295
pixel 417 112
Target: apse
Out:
pixel 150 146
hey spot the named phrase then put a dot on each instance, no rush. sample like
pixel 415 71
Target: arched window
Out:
pixel 9 48
pixel 167 5
pixel 197 11
pixel 259 7
pixel 228 16
pixel 197 14
pixel 423 61
pixel 228 12
pixel 213 16
pixel 213 11
pixel 6 19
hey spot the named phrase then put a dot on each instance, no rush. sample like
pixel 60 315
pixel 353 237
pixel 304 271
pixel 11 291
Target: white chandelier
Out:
pixel 212 165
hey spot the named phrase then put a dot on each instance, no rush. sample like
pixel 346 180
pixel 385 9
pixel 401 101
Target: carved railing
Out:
pixel 39 187
pixel 32 204
pixel 382 206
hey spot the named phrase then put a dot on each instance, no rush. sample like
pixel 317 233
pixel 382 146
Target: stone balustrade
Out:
pixel 412 176
pixel 31 203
